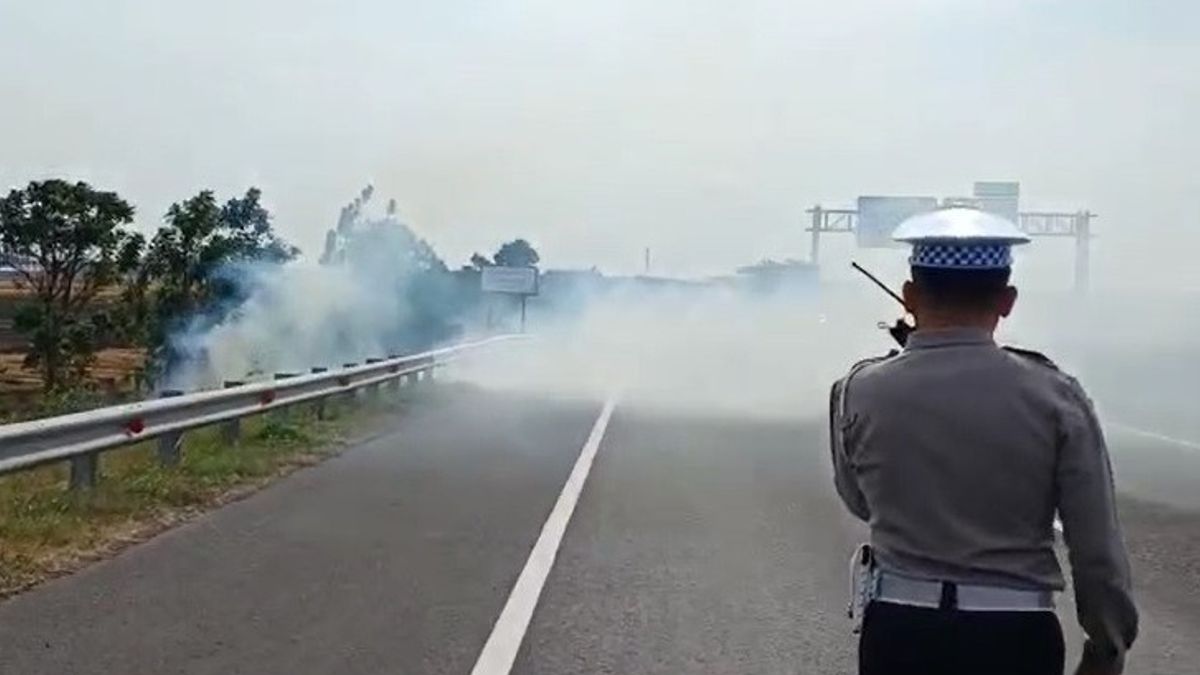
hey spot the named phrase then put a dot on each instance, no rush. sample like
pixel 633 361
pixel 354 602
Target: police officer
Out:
pixel 958 453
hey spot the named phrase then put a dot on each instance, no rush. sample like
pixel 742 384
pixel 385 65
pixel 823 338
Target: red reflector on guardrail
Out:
pixel 135 426
pixel 266 398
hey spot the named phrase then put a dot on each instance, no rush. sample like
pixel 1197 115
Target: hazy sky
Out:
pixel 599 127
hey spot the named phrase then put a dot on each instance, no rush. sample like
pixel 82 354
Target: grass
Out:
pixel 47 530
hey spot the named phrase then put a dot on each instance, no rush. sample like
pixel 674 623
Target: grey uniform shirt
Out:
pixel 958 453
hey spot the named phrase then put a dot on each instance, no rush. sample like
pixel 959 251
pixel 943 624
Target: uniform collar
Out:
pixel 923 339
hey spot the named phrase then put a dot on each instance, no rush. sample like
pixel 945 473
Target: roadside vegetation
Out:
pixel 47 530
pixel 93 312
pixel 82 280
pixel 82 289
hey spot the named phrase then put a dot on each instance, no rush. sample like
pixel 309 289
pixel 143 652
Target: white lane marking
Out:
pixel 1156 436
pixel 501 647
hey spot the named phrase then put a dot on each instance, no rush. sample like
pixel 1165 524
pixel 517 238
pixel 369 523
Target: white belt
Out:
pixel 900 590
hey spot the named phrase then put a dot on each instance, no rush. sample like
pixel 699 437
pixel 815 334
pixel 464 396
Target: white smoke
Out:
pixel 297 316
pixel 379 290
pixel 712 349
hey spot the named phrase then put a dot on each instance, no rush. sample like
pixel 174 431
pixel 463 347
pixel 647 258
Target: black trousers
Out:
pixel 902 640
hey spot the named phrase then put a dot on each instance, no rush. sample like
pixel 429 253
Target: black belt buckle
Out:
pixel 949 598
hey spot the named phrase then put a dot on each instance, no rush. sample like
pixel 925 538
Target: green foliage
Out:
pixel 199 238
pixel 516 253
pixel 181 274
pixel 479 261
pixel 389 257
pixel 66 242
pixel 389 244
pixel 75 399
pixel 378 244
pixel 276 431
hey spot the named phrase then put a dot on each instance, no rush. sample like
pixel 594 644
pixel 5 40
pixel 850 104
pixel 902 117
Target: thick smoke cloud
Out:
pixel 716 351
pixel 378 290
pixel 704 348
pixel 295 317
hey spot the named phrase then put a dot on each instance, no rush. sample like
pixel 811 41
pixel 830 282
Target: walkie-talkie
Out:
pixel 902 328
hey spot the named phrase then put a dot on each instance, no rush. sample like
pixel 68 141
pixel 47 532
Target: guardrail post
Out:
pixel 231 431
pixel 426 372
pixel 282 413
pixel 373 390
pixel 170 444
pixel 352 395
pixel 136 426
pixel 319 410
pixel 395 382
pixel 83 471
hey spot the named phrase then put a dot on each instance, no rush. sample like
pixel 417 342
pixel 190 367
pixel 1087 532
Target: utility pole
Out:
pixel 814 255
pixel 1083 258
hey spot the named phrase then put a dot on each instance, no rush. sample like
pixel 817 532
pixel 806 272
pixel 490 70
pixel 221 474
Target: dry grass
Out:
pixel 113 367
pixel 10 290
pixel 47 530
pixel 112 371
pixel 111 380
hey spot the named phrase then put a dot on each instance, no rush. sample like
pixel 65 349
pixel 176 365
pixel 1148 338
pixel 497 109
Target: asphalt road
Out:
pixel 699 544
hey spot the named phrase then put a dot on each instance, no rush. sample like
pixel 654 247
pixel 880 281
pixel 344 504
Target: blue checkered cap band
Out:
pixel 961 255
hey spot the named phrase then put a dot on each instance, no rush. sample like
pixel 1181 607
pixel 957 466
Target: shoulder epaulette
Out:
pixel 869 361
pixel 842 388
pixel 874 359
pixel 1037 357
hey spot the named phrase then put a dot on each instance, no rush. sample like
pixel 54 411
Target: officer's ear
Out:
pixel 1008 298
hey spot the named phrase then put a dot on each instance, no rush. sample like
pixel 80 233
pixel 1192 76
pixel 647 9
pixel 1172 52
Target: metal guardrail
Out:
pixel 81 437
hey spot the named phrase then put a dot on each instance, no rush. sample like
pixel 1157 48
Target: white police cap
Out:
pixel 960 237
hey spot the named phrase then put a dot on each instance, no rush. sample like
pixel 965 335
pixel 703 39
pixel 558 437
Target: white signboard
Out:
pixel 999 198
pixel 512 280
pixel 878 217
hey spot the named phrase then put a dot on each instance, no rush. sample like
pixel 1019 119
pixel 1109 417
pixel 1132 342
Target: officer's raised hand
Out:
pixel 900 331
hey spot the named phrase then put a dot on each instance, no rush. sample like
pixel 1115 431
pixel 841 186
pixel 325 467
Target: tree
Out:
pixel 516 253
pixel 378 244
pixel 186 270
pixel 66 242
pixel 478 262
pixel 403 273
